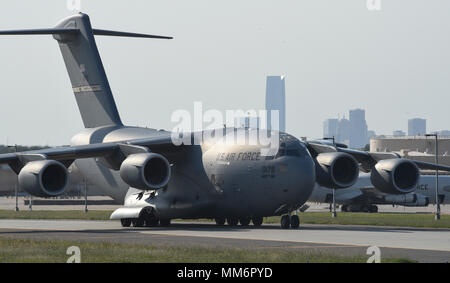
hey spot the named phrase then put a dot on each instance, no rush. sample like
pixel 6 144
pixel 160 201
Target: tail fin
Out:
pixel 87 75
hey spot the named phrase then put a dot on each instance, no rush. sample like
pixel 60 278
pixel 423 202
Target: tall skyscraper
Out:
pixel 417 127
pixel 276 100
pixel 330 128
pixel 343 131
pixel 358 128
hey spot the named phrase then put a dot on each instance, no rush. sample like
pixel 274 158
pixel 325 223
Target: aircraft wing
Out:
pixel 112 152
pixel 368 159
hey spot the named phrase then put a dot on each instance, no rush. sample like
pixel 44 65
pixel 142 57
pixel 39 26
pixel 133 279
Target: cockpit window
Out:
pixel 290 146
pixel 281 150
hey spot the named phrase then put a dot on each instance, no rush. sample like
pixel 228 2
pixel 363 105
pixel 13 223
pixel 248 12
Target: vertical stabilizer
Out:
pixel 87 75
pixel 75 36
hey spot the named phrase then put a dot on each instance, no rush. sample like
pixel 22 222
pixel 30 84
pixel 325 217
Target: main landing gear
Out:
pixel 360 208
pixel 244 221
pixel 146 219
pixel 288 221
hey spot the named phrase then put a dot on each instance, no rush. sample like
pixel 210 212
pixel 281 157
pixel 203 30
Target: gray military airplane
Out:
pixel 160 180
pixel 364 197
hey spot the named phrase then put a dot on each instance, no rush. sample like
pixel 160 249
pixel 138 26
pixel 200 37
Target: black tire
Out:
pixel 285 222
pixel 257 221
pixel 295 222
pixel 126 222
pixel 353 208
pixel 220 221
pixel 164 222
pixel 373 209
pixel 344 208
pixel 151 222
pixel 245 221
pixel 137 222
pixel 232 221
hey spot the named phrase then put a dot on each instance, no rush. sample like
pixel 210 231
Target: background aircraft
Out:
pixel 364 197
pixel 159 181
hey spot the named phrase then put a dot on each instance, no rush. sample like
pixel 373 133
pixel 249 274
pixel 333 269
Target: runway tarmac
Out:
pixel 421 244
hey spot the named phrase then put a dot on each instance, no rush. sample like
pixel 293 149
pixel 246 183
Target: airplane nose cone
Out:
pixel 301 177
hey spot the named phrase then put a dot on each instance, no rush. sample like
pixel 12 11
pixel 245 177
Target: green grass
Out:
pixel 344 218
pixel 37 251
pixel 56 214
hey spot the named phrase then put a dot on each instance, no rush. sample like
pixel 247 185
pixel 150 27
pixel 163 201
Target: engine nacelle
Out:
pixel 44 178
pixel 336 170
pixel 395 176
pixel 145 171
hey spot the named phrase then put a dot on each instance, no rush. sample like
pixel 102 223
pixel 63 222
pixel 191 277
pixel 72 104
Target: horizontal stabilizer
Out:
pixel 40 31
pixel 127 34
pixel 76 31
pixel 76 40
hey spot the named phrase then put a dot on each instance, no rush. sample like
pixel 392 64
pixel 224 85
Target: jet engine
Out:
pixel 145 171
pixel 44 178
pixel 336 170
pixel 395 176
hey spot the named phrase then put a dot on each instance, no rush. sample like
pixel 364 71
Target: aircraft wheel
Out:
pixel 137 222
pixel 220 221
pixel 232 221
pixel 151 221
pixel 164 222
pixel 344 208
pixel 285 221
pixel 295 222
pixel 245 221
pixel 126 222
pixel 353 208
pixel 373 209
pixel 257 221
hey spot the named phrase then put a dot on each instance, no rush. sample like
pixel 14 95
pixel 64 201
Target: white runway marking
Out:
pixel 423 239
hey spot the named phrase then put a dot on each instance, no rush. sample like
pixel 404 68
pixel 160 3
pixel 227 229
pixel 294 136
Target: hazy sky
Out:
pixel 336 56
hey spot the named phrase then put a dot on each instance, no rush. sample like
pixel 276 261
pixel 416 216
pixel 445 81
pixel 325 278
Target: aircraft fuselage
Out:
pixel 210 180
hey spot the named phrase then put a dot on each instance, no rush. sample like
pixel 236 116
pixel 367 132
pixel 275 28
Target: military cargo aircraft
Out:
pixel 159 180
pixel 363 196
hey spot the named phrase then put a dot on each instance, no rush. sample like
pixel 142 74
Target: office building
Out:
pixel 358 128
pixel 276 100
pixel 417 127
pixel 330 128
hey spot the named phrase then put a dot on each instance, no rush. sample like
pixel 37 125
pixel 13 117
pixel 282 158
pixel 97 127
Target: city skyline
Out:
pixel 354 131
